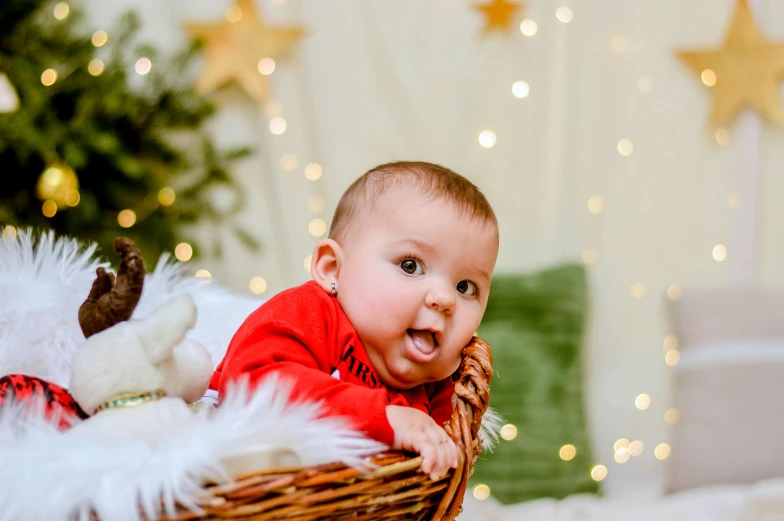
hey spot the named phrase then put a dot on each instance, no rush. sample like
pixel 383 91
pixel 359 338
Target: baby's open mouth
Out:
pixel 422 344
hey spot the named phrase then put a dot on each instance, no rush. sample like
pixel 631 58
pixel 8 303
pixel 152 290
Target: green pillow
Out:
pixel 534 325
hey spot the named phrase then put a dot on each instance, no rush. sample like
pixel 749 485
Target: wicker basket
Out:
pixel 394 489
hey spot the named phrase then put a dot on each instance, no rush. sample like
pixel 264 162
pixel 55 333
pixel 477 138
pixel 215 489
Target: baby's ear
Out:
pixel 326 262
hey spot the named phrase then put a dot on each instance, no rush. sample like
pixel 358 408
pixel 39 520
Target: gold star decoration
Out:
pixel 744 73
pixel 234 48
pixel 499 15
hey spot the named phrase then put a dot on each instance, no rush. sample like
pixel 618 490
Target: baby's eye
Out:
pixel 466 287
pixel 411 267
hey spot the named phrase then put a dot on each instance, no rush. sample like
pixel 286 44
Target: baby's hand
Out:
pixel 417 432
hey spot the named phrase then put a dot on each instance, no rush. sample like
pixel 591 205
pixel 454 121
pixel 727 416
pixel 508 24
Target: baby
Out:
pixel 398 290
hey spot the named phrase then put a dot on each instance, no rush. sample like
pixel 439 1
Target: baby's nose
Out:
pixel 441 300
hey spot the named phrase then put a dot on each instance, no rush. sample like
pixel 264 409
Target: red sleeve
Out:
pixel 295 337
pixel 439 395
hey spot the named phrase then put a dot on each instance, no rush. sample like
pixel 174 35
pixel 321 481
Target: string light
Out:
pixel 638 290
pixel 636 447
pixel 48 77
pixel 204 276
pixel 644 84
pixel 670 342
pixel 508 432
pixel 564 14
pixel 183 252
pixel 49 208
pixel 258 285
pixel 316 204
pixel 266 66
pixel 277 125
pixel 234 14
pixel 481 492
pixel 126 218
pixel 672 416
pixel 143 66
pixel 590 256
pixel 708 77
pixel 528 27
pixel 618 43
pixel 72 197
pixel 622 443
pixel 662 451
pixel 643 401
pixel 733 201
pixel 487 138
pixel 595 204
pixel 598 472
pixel 61 10
pixel 672 357
pixel 288 161
pixel 622 455
pixel 567 452
pixel 722 136
pixel 625 147
pixel 313 171
pixel 520 89
pixel 95 67
pixel 719 253
pixel 166 196
pixel 317 227
pixel 307 262
pixel 100 38
pixel 674 292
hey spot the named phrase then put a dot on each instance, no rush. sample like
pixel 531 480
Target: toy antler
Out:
pixel 113 300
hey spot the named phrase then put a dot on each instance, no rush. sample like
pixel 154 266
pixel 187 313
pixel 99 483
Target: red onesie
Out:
pixel 303 335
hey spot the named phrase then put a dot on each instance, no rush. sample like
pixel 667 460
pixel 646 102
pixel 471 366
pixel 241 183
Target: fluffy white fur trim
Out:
pixel 43 281
pixel 490 429
pixel 49 475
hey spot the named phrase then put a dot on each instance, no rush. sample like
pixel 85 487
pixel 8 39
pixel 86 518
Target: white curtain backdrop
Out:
pixel 376 81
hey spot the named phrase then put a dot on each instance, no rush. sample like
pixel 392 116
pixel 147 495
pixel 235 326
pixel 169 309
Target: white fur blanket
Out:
pixel 50 475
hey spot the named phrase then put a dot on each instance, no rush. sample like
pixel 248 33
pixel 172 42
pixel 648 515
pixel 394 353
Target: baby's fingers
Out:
pixel 430 457
pixel 445 454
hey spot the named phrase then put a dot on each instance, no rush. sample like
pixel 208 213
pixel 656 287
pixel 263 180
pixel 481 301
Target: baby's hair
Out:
pixel 428 178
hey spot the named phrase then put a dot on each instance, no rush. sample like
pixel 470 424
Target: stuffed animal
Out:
pixel 136 377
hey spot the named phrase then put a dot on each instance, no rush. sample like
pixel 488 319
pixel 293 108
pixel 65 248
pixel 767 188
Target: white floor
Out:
pixel 761 502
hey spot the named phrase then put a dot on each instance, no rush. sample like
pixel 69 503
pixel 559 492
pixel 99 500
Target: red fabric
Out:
pixel 303 335
pixel 57 401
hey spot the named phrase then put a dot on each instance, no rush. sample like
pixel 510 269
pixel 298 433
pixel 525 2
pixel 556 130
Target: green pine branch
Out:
pixel 124 143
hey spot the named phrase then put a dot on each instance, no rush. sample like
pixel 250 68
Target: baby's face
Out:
pixel 414 283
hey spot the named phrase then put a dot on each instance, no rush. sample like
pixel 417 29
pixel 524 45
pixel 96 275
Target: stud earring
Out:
pixel 334 289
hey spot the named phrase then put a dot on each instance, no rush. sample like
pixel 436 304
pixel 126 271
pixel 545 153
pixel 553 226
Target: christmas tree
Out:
pixel 100 137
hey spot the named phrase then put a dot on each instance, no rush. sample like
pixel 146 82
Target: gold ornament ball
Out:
pixel 57 183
